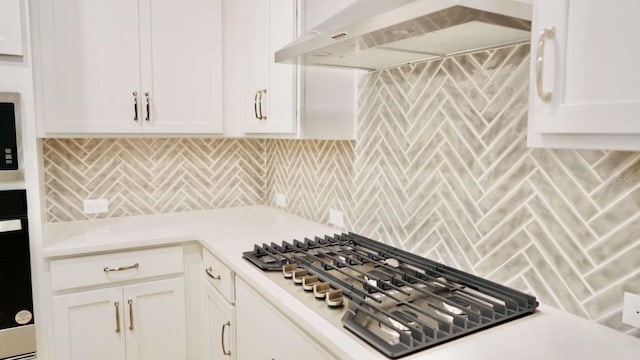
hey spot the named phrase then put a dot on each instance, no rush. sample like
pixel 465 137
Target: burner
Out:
pixel 396 301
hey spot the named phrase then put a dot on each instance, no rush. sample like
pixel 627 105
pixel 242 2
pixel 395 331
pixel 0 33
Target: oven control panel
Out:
pixel 8 138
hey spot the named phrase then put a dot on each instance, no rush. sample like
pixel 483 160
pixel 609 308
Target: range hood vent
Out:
pixel 378 34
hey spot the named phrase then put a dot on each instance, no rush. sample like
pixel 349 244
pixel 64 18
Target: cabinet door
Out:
pixel 89 325
pixel 589 68
pixel 182 66
pixel 11 28
pixel 262 331
pixel 256 42
pixel 270 87
pixel 155 324
pixel 220 327
pixel 91 65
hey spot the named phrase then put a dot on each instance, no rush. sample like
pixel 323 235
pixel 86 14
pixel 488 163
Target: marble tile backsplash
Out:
pixel 149 176
pixel 441 168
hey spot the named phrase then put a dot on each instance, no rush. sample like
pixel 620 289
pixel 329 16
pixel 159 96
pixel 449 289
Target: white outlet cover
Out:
pixel 281 200
pixel 336 218
pixel 631 310
pixel 96 206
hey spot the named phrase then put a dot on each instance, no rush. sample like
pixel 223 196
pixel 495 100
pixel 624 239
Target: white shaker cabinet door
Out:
pixel 280 102
pixel 181 46
pixel 10 27
pixel 262 331
pixel 584 70
pixel 256 44
pixel 220 326
pixel 270 88
pixel 154 318
pixel 89 325
pixel 92 66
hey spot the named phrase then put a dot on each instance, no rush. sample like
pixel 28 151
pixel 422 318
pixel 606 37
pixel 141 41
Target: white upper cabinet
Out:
pixel 269 87
pixel 92 66
pixel 182 65
pixel 10 27
pixel 120 66
pixel 584 75
pixel 266 99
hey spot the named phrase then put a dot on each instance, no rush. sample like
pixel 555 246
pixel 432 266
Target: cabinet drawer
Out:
pixel 218 275
pixel 115 267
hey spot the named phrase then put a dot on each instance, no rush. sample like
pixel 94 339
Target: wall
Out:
pixel 442 169
pixel 16 76
pixel 149 176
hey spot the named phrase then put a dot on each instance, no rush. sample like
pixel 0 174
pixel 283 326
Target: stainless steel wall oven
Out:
pixel 17 331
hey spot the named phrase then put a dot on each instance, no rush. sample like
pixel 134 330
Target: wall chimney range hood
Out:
pixel 378 34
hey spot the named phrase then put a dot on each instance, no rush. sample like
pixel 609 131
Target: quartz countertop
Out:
pixel 227 233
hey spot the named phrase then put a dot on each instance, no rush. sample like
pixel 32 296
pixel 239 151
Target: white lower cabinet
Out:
pixel 155 321
pixel 89 325
pixel 144 321
pixel 264 334
pixel 268 99
pixel 219 327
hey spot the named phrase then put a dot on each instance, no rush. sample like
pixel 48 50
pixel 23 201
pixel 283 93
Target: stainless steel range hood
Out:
pixel 377 34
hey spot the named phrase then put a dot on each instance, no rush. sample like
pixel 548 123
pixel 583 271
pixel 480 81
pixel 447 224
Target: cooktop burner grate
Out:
pixel 398 302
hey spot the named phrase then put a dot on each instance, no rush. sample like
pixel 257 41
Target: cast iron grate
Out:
pixel 398 302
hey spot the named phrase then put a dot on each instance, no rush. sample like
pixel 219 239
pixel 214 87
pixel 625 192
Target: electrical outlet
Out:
pixel 336 218
pixel 631 309
pixel 281 200
pixel 96 206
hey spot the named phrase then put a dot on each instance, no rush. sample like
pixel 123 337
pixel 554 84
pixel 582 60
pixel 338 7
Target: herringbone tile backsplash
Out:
pixel 149 176
pixel 441 168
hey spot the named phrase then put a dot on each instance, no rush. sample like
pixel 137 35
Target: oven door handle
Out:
pixel 10 225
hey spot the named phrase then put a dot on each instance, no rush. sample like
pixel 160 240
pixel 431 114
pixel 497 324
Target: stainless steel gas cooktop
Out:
pixel 396 301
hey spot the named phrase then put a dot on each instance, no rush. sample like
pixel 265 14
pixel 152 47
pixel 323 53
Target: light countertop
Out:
pixel 548 334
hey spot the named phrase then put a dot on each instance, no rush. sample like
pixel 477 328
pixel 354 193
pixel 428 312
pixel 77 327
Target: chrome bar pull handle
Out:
pixel 117 306
pixel 130 314
pixel 224 350
pixel 135 106
pixel 123 268
pixel 255 105
pixel 548 33
pixel 148 98
pixel 209 272
pixel 262 92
